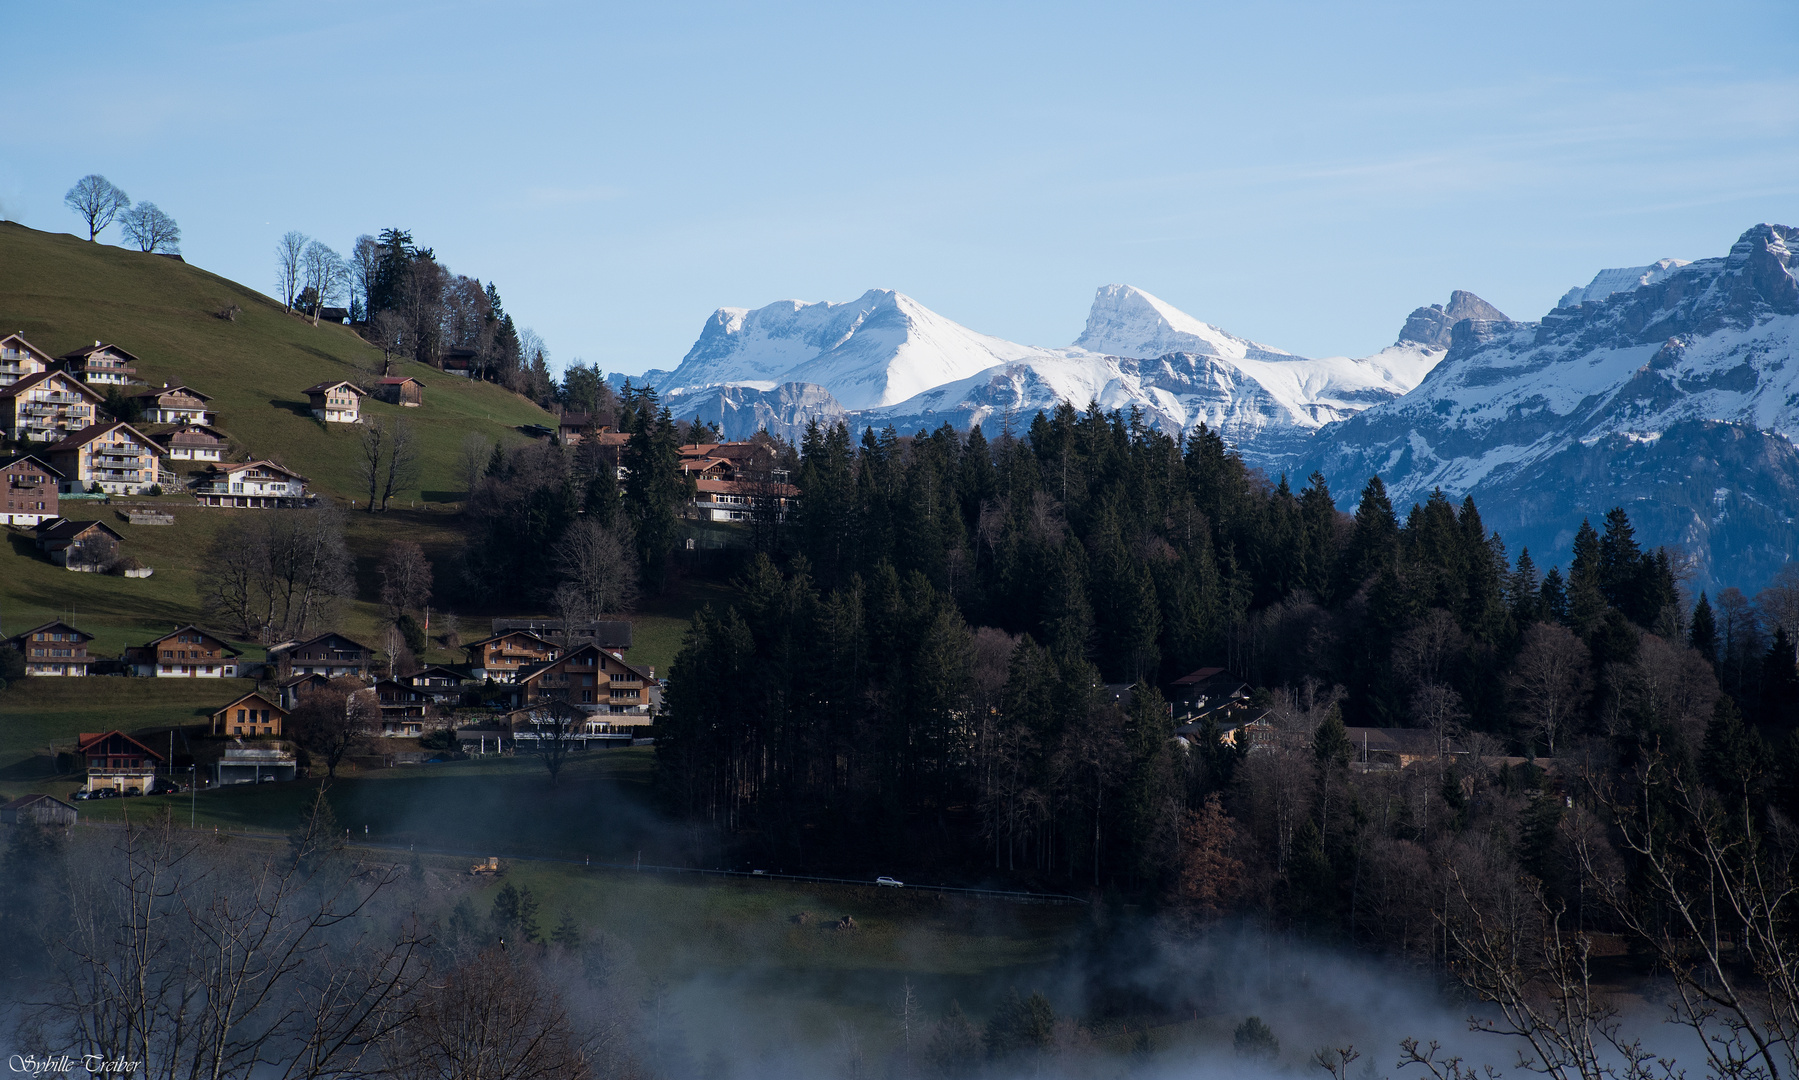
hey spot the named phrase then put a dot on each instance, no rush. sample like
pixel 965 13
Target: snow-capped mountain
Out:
pixel 1649 386
pixel 792 361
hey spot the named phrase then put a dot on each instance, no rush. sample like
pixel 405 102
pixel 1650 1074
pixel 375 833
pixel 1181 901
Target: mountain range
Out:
pixel 1671 389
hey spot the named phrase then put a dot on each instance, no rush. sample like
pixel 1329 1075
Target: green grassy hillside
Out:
pixel 62 292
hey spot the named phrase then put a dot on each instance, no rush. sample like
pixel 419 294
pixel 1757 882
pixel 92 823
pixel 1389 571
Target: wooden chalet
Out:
pixel 40 810
pixel 55 648
pixel 19 358
pixel 404 708
pixel 254 485
pixel 337 402
pixel 458 360
pixel 400 390
pixel 194 442
pixel 292 689
pixel 252 715
pixel 101 364
pixel 31 489
pixel 500 657
pixel 79 545
pixel 331 655
pixel 115 457
pixel 174 405
pixel 589 678
pixel 187 652
pixel 551 719
pixel 441 685
pixel 116 761
pixel 613 635
pixel 47 407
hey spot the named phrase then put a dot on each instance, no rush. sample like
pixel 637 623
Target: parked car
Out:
pixel 893 882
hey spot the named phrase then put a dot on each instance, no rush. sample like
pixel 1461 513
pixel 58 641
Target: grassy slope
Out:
pixel 63 292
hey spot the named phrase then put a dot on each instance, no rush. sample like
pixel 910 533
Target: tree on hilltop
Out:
pixel 152 230
pixel 97 201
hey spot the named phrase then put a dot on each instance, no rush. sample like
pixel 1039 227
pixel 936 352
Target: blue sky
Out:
pixel 1302 174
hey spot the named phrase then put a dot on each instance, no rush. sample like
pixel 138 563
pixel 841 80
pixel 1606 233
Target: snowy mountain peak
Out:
pixel 1126 321
pixel 1620 279
pixel 1431 326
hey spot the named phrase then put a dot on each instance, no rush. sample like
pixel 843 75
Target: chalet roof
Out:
pixel 308 677
pixel 88 738
pixel 252 694
pixel 172 434
pixel 240 466
pixel 64 529
pixel 291 646
pixel 729 487
pixel 397 380
pixel 1204 674
pixel 534 670
pixel 327 387
pixel 191 628
pixel 99 346
pixel 25 802
pixel 167 389
pixel 30 381
pixel 508 633
pixel 438 670
pixel 8 463
pixel 18 341
pixel 79 439
pixel 85 636
pixel 577 420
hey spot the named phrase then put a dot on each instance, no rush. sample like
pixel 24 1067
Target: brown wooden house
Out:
pixel 588 678
pixel 40 810
pixel 187 652
pixel 400 390
pixel 31 487
pixel 332 655
pixel 55 648
pixel 79 545
pixel 174 405
pixel 116 760
pixel 500 657
pixel 251 714
pixel 336 402
pixel 101 364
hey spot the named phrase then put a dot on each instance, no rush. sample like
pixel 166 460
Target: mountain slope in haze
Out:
pixel 63 292
pixel 790 362
pixel 1707 351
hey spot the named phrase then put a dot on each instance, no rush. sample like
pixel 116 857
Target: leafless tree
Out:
pixel 1550 680
pixel 325 275
pixel 405 579
pixel 372 439
pixel 365 265
pixel 275 576
pixel 1779 602
pixel 1425 652
pixel 333 720
pixel 1439 709
pixel 403 462
pixel 554 730
pixel 289 266
pixel 602 564
pixel 150 229
pixel 493 1018
pixel 472 461
pixel 97 202
pixel 387 331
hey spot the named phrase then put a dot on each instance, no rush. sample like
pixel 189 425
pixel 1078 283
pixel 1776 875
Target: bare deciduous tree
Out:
pixel 333 720
pixel 405 579
pixel 475 453
pixel 492 1018
pixel 289 266
pixel 150 229
pixel 324 274
pixel 601 564
pixel 97 201
pixel 275 576
pixel 1550 680
pixel 372 440
pixel 403 462
pixel 365 267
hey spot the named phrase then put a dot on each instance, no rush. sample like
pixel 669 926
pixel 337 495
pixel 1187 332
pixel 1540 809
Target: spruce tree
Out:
pixel 1704 633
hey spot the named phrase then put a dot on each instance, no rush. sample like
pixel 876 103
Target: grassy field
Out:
pixel 62 292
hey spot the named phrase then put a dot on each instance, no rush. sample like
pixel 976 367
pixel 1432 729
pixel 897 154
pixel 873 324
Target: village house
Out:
pixel 55 648
pixel 174 405
pixel 259 485
pixel 404 708
pixel 590 679
pixel 194 442
pixel 458 360
pixel 31 489
pixel 613 635
pixel 554 718
pixel 187 652
pixel 19 358
pixel 290 690
pixel 101 364
pixel 734 480
pixel 254 765
pixel 117 458
pixel 79 545
pixel 571 427
pixel 116 761
pixel 499 658
pixel 40 810
pixel 441 685
pixel 251 714
pixel 46 407
pixel 330 656
pixel 336 402
pixel 400 390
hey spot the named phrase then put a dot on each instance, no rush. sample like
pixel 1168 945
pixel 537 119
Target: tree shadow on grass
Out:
pixel 301 409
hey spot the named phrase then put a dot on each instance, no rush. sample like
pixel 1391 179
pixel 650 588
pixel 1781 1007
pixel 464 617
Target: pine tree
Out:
pixel 1704 633
pixel 1523 590
pixel 1552 597
pixel 1586 598
pixel 1780 685
pixel 1374 542
pixel 655 488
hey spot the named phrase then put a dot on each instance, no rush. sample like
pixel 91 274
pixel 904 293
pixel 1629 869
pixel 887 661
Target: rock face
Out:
pixel 1703 359
pixel 1621 279
pixel 1126 321
pixel 741 411
pixel 1430 326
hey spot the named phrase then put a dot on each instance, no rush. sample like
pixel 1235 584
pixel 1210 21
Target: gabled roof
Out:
pixel 18 341
pixel 8 463
pixel 64 529
pixel 88 434
pixel 308 677
pixel 190 627
pixel 85 636
pixel 176 389
pixel 25 802
pixel 439 670
pixel 396 380
pixel 177 430
pixel 293 646
pixel 30 381
pixel 88 739
pixel 327 387
pixel 240 466
pixel 99 346
pixel 510 633
pixel 252 694
pixel 535 670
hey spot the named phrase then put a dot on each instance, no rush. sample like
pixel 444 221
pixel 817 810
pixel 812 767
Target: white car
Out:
pixel 894 882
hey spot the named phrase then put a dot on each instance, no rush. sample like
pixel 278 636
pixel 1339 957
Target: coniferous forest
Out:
pixel 922 669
